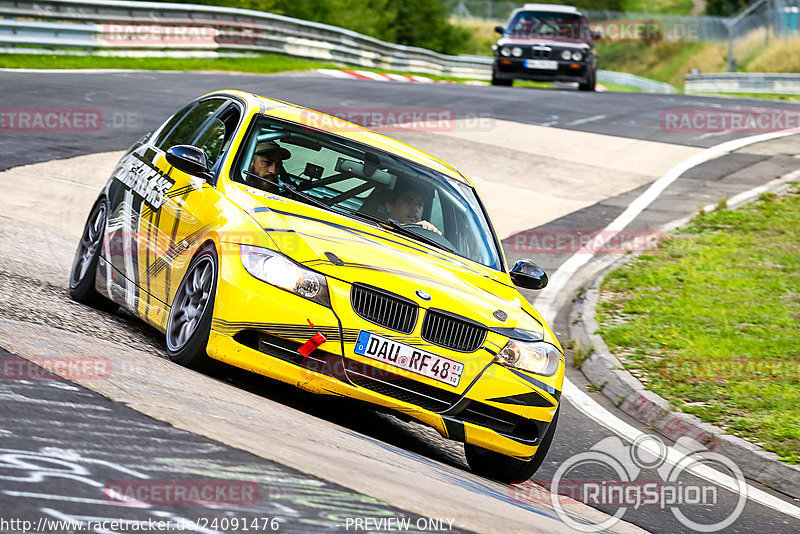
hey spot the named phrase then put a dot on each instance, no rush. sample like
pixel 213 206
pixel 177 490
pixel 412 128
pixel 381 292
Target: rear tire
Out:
pixel 505 468
pixel 84 266
pixel 189 323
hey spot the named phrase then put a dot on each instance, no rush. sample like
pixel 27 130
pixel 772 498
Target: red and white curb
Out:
pixel 376 76
pixel 388 77
pixel 411 78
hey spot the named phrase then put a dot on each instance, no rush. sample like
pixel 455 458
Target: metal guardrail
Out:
pixel 631 80
pixel 743 82
pixel 125 26
pixel 35 33
pixel 117 27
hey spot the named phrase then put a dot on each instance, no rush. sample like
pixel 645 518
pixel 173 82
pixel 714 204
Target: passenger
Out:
pixel 268 164
pixel 405 205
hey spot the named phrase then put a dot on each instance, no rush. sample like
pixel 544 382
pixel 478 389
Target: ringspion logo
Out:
pixel 610 473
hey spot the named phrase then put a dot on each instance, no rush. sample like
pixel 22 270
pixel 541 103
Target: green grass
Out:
pixel 620 88
pixel 550 85
pixel 667 7
pixel 262 64
pixel 711 319
pixel 661 61
pixel 267 63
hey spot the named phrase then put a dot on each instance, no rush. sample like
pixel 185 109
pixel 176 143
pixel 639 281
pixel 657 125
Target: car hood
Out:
pixel 563 43
pixel 352 251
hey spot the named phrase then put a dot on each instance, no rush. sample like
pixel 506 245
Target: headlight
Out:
pixel 516 51
pixel 276 269
pixel 537 357
pixel 577 56
pixel 565 55
pixel 505 51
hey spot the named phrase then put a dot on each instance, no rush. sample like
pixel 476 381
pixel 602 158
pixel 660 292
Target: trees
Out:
pixel 725 8
pixel 422 23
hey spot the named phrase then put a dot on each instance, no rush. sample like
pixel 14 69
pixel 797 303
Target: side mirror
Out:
pixel 527 274
pixel 499 29
pixel 189 159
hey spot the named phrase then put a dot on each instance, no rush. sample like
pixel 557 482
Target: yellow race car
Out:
pixel 313 251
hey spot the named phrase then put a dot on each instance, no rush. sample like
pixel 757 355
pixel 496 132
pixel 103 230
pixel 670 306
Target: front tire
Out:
pixel 502 82
pixel 84 266
pixel 189 323
pixel 505 468
pixel 590 84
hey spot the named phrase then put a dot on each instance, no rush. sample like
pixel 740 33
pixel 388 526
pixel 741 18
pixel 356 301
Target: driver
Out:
pixel 405 206
pixel 267 163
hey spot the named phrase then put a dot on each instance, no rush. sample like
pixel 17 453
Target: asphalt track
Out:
pixel 132 103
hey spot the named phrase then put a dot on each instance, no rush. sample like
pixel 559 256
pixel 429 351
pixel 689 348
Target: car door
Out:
pixel 164 212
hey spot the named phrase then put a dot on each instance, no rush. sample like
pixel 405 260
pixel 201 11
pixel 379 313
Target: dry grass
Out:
pixel 710 58
pixel 782 56
pixel 714 56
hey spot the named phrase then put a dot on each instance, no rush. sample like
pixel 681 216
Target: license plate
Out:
pixel 543 64
pixel 409 358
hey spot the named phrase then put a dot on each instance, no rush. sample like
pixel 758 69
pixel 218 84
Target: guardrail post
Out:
pixel 731 60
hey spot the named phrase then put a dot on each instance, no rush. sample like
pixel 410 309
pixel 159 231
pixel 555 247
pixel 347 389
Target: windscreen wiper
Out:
pixel 409 232
pixel 392 224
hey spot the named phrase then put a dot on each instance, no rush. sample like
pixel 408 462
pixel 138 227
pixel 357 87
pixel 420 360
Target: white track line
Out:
pixel 587 405
pixel 563 274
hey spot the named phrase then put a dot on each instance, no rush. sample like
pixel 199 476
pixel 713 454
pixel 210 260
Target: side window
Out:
pixel 218 134
pixel 170 124
pixel 186 130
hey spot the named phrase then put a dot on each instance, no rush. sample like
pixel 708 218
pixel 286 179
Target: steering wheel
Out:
pixel 430 234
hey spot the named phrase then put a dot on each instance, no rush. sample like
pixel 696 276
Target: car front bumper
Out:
pixel 497 408
pixel 511 69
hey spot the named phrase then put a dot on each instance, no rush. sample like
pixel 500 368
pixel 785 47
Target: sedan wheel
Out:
pixel 84 266
pixel 504 468
pixel 189 321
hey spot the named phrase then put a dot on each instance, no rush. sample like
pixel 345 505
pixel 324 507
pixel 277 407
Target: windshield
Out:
pixel 368 183
pixel 548 25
